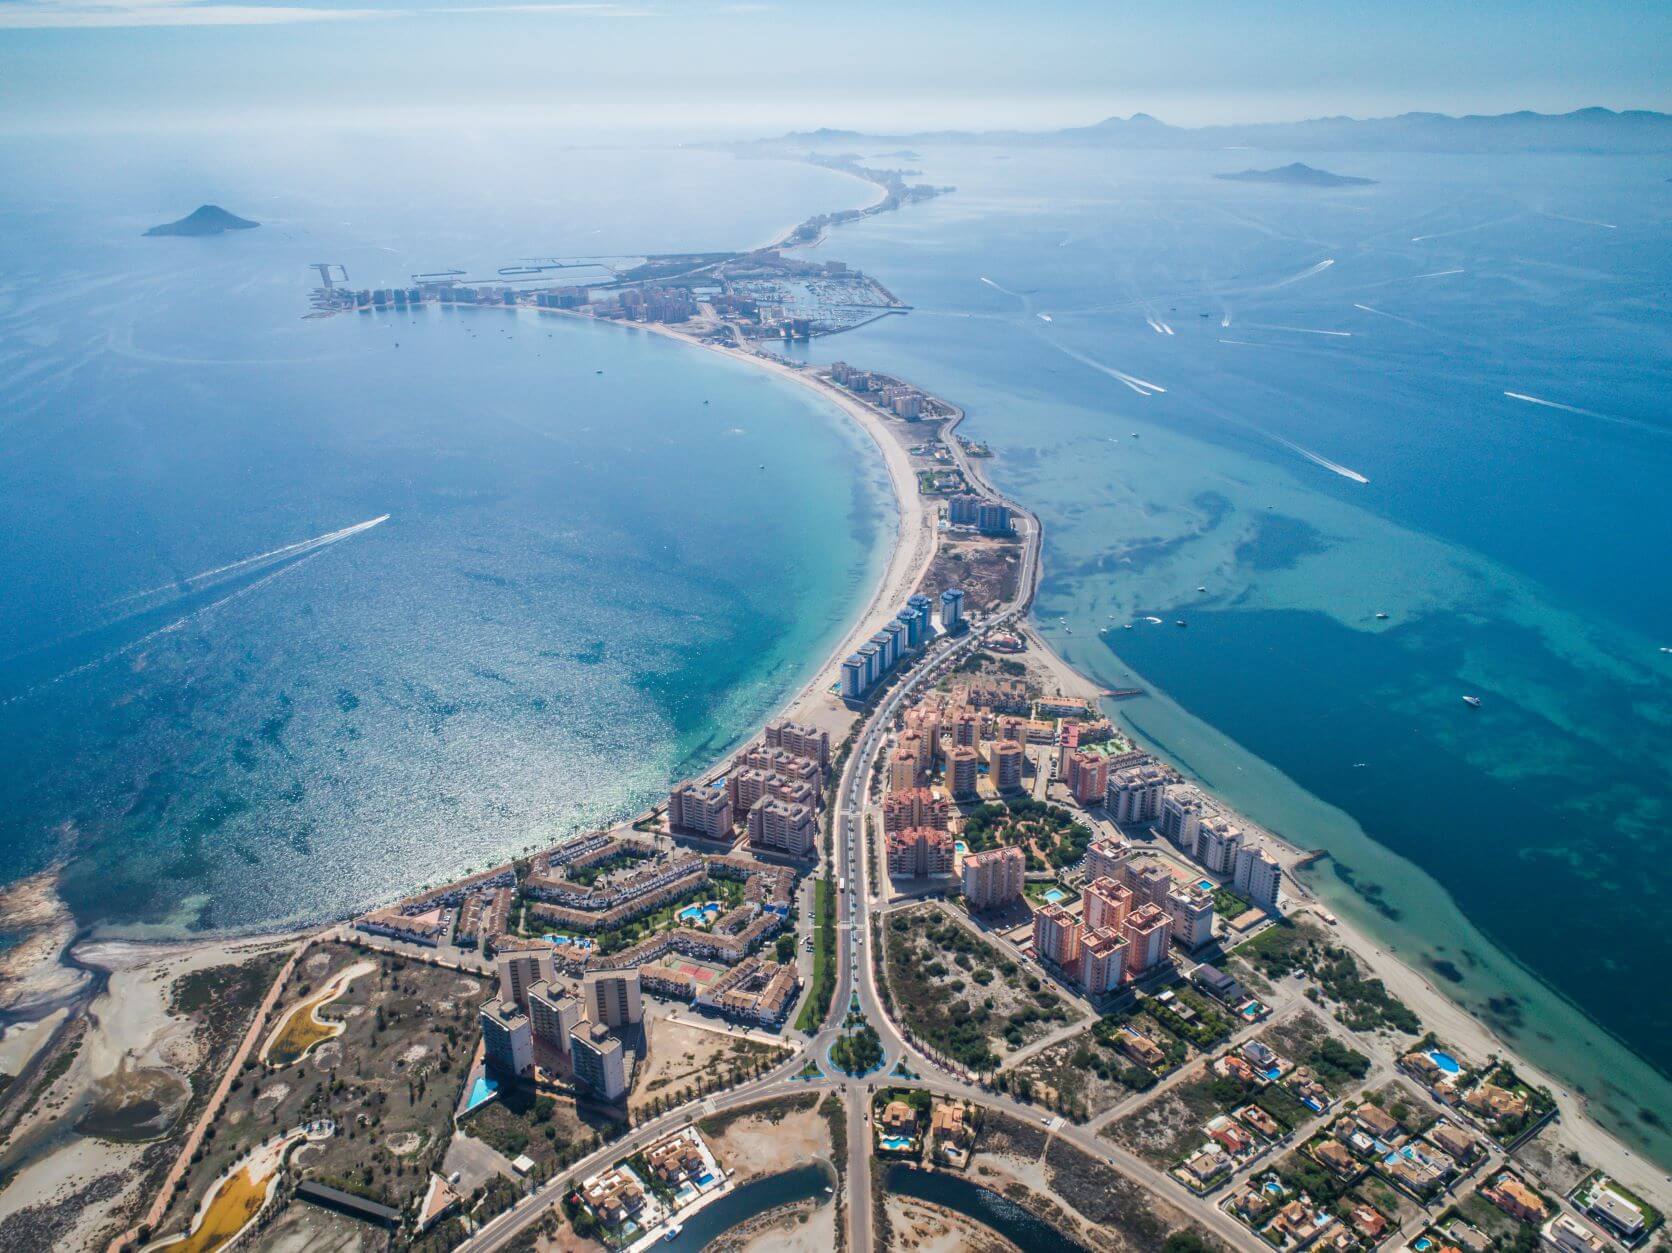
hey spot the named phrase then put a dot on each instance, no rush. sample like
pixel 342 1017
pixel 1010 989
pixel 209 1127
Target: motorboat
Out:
pixel 1473 702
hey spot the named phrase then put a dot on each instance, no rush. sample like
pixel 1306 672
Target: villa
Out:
pixel 1456 1143
pixel 1261 1121
pixel 898 1119
pixel 613 1196
pixel 1515 1198
pixel 1495 1103
pixel 1203 1168
pixel 1331 1154
pixel 1297 1224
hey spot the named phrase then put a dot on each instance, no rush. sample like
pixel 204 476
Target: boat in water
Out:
pixel 1473 702
pixel 1381 617
pixel 672 1233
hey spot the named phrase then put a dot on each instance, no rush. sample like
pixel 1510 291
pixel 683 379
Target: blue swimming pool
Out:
pixel 960 846
pixel 579 941
pixel 699 913
pixel 1056 896
pixel 1205 884
pixel 1445 1061
pixel 896 1144
pixel 482 1091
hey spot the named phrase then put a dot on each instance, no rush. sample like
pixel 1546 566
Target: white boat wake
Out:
pixel 1334 467
pixel 190 582
pixel 1562 217
pixel 1141 386
pixel 1587 413
pixel 1383 313
pixel 161 631
pixel 1300 330
pixel 152 599
pixel 1308 273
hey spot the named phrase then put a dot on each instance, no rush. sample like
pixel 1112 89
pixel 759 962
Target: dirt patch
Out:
pixel 1162 1128
pixel 770 1138
pixel 46 1228
pixel 800 1228
pixel 986 569
pixel 1558 1168
pixel 134 1105
pixel 684 1057
pixel 1125 1214
pixel 1079 1075
pixel 924 1228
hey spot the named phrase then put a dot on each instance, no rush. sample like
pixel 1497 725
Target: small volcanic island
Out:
pixel 209 219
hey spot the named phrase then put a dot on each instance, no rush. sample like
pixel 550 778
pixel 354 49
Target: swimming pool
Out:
pixel 1273 1187
pixel 896 1144
pixel 960 846
pixel 482 1091
pixel 1056 896
pixel 699 913
pixel 1445 1061
pixel 1422 1244
pixel 1205 884
pixel 579 941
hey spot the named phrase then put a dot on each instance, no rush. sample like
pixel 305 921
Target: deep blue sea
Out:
pixel 606 557
pixel 1276 413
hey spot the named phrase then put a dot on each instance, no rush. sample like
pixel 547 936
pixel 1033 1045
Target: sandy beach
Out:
pixel 913 549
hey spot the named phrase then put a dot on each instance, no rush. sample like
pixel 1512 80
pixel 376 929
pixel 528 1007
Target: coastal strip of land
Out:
pixel 1438 1011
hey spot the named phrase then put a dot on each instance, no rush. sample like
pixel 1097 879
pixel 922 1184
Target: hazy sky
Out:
pixel 702 67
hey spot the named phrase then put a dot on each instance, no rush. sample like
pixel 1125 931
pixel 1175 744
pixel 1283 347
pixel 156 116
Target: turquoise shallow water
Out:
pixel 606 557
pixel 1297 402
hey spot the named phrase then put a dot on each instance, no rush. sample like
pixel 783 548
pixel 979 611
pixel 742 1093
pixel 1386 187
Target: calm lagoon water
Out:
pixel 1299 401
pixel 606 557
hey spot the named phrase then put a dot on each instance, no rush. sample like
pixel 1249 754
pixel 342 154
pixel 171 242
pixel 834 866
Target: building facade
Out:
pixel 507 1038
pixel 1056 935
pixel 994 877
pixel 614 997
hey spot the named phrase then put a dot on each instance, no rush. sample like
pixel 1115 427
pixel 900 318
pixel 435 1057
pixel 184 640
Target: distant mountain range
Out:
pixel 208 219
pixel 1297 175
pixel 1634 131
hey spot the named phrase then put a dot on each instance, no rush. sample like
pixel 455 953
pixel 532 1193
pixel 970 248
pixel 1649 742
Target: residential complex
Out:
pixel 993 878
pixel 917 852
pixel 773 790
pixel 874 660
